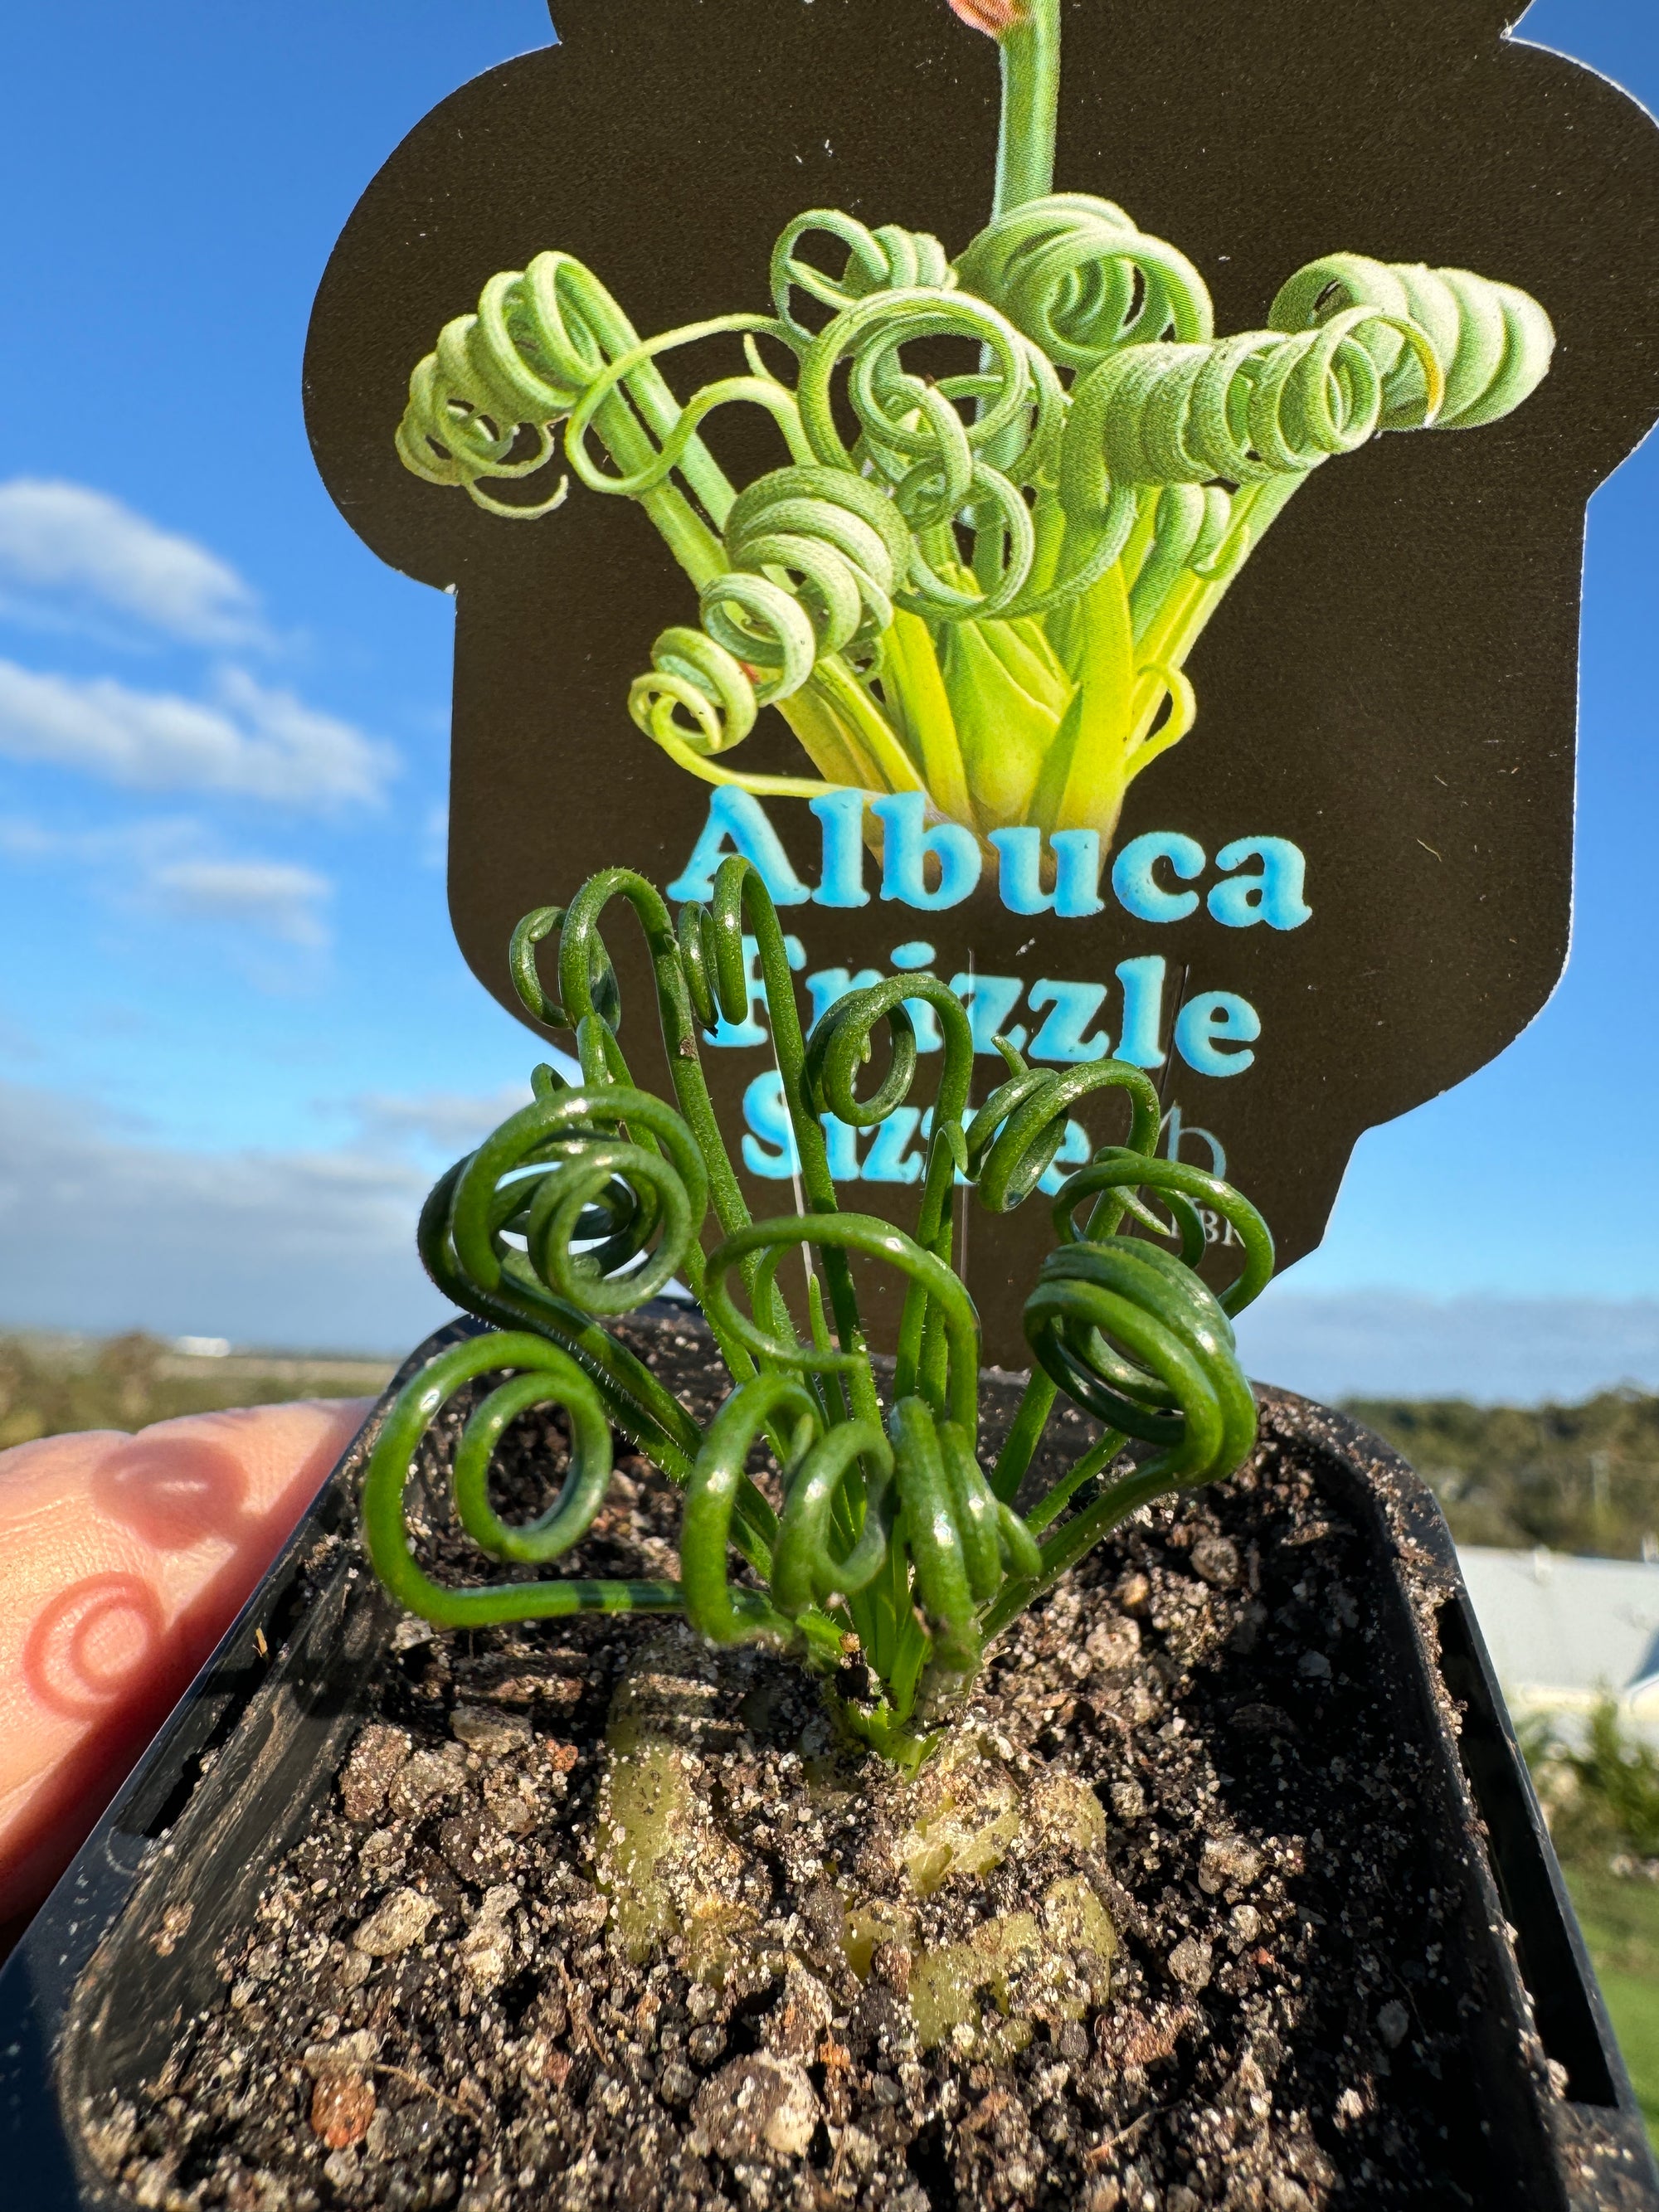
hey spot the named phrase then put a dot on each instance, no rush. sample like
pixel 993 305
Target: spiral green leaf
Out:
pixel 889 1535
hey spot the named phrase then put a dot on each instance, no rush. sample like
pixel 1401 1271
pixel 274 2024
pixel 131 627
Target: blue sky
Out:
pixel 235 1035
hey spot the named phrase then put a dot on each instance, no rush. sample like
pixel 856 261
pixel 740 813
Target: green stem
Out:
pixel 1023 1437
pixel 687 538
pixel 1050 1508
pixel 888 1732
pixel 1030 108
pixel 1187 607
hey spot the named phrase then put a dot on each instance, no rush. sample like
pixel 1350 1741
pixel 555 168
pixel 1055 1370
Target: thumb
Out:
pixel 123 1559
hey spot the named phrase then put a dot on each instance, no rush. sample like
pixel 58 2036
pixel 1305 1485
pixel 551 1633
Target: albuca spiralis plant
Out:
pixel 891 1537
pixel 991 595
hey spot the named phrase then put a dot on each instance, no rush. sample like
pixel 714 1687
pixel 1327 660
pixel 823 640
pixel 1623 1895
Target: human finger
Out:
pixel 123 1559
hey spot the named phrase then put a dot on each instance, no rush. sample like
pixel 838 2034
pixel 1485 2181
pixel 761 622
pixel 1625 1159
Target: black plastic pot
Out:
pixel 123 1950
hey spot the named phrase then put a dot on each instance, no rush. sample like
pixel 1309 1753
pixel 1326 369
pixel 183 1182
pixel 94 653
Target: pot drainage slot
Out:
pixel 1549 1958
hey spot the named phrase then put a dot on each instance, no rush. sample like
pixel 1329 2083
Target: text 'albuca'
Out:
pixel 933 866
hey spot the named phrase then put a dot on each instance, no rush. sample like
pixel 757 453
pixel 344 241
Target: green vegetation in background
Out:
pixel 1620 1921
pixel 50 1387
pixel 1600 1797
pixel 1575 1477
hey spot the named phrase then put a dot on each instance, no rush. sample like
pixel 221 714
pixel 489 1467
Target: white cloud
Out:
pixel 27 840
pixel 449 1122
pixel 251 741
pixel 1382 1344
pixel 172 866
pixel 275 895
pixel 67 541
pixel 100 1230
pixel 97 1231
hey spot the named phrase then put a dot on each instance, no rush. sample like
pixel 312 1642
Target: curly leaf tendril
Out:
pixel 888 1526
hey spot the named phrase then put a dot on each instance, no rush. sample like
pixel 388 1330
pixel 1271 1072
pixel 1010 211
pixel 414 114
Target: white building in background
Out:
pixel 1564 1632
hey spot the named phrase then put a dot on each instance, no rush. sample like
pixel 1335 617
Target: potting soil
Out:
pixel 596 1916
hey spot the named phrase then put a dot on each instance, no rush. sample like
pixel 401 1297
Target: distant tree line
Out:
pixel 50 1386
pixel 1577 1478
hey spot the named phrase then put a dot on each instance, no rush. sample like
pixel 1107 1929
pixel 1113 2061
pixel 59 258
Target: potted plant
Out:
pixel 893 1541
pixel 912 1785
pixel 879 1874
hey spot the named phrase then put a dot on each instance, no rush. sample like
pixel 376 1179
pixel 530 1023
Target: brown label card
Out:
pixel 1087 495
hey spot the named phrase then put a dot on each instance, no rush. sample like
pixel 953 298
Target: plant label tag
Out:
pixel 1094 513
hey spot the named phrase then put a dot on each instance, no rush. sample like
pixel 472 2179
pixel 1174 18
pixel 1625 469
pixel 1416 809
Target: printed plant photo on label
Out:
pixel 1014 485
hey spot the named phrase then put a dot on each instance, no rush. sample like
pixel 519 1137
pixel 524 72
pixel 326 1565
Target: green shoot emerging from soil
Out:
pixel 990 595
pixel 889 1539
